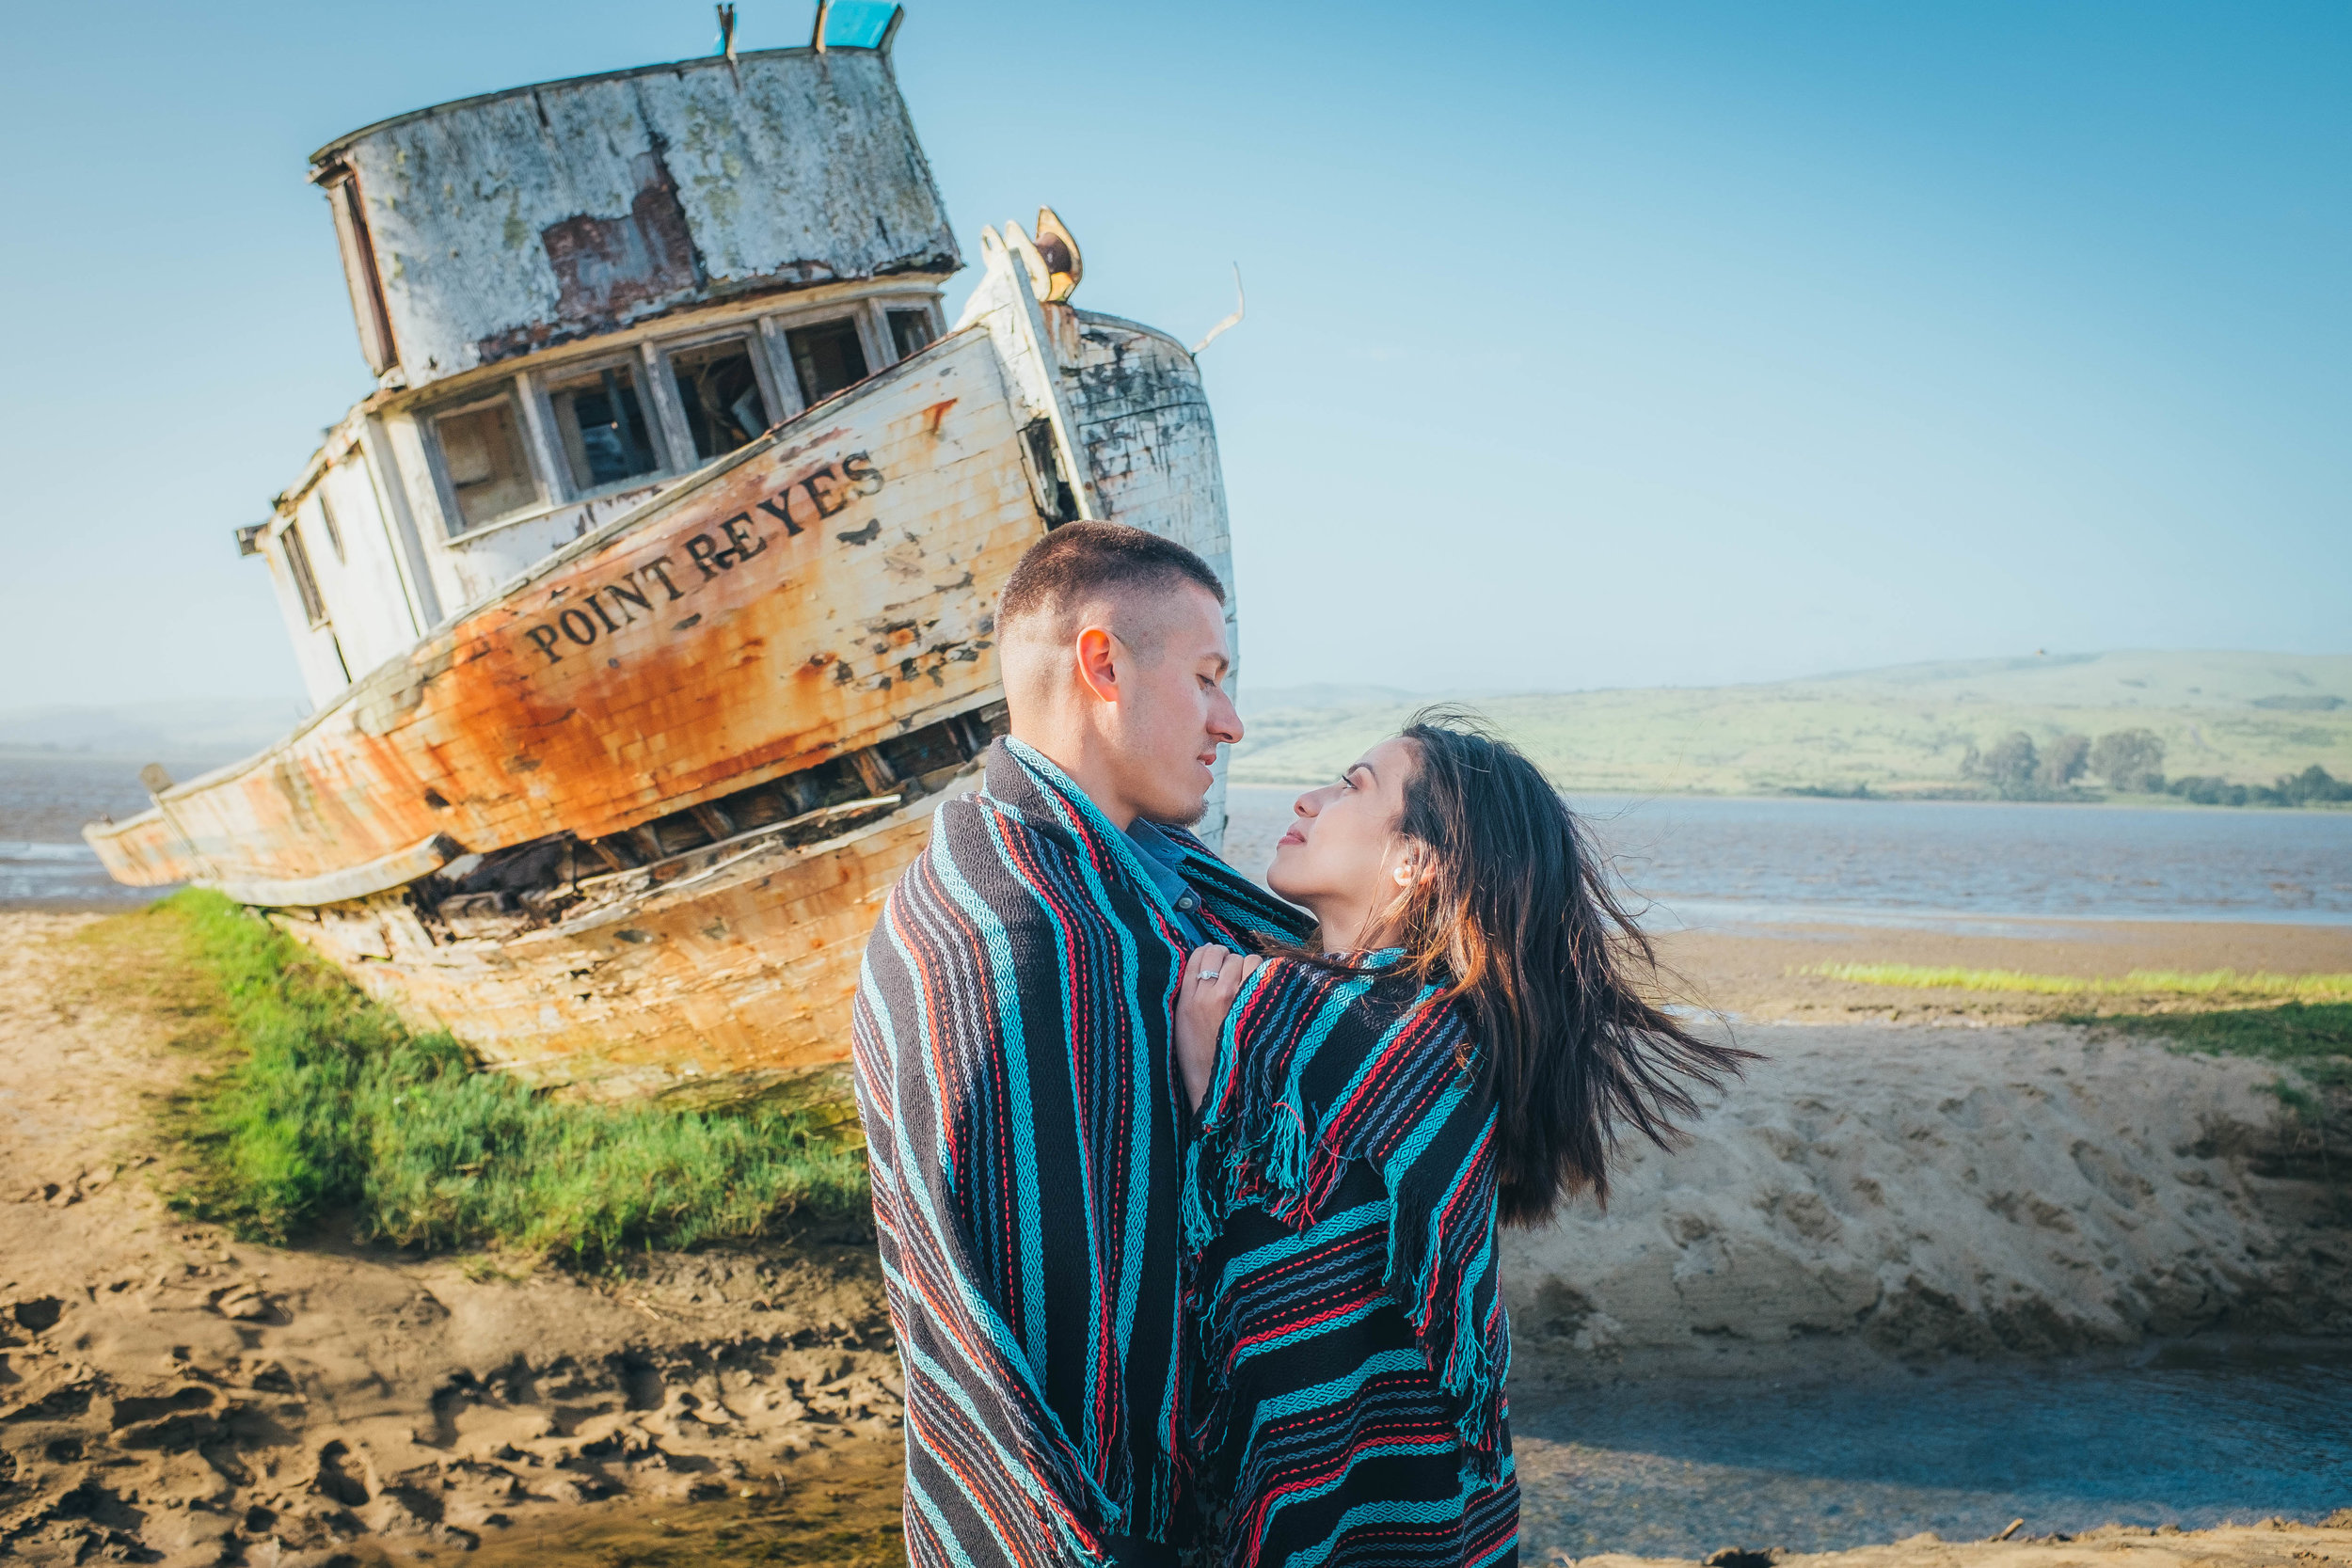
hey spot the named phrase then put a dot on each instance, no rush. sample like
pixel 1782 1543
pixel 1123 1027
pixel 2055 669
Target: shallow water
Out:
pixel 62 876
pixel 1952 864
pixel 44 800
pixel 1681 1469
pixel 839 1508
pixel 1700 862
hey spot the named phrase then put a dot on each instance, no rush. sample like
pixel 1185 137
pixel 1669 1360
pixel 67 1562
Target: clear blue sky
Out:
pixel 1589 343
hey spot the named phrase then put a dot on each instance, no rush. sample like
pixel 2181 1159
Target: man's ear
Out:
pixel 1096 651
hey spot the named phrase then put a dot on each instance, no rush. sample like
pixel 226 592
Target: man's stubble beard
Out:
pixel 1162 814
pixel 1177 820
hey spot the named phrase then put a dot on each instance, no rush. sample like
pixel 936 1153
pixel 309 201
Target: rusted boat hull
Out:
pixel 821 591
pixel 735 979
pixel 666 399
pixel 624 826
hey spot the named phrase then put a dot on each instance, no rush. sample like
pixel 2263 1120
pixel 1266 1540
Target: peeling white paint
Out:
pixel 539 215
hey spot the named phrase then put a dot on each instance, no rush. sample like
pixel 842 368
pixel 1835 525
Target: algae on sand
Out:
pixel 324 1104
pixel 2313 1042
pixel 2313 1038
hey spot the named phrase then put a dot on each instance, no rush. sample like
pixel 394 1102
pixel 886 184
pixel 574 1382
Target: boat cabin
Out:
pixel 573 294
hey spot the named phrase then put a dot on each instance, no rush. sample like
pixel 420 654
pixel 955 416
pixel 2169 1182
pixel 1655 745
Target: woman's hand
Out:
pixel 1212 978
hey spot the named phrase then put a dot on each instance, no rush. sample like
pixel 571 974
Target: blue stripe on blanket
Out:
pixel 1011 1048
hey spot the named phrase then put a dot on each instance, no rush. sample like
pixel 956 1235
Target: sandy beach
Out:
pixel 2007 1190
pixel 1929 1170
pixel 165 1389
pixel 1904 1177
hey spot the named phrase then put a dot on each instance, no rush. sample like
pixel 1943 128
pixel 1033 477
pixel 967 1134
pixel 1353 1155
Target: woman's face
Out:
pixel 1342 855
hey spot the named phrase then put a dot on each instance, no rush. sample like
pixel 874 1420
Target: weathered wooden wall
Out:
pixel 515 221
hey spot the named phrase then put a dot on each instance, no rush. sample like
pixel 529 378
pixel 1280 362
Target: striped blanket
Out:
pixel 1339 1214
pixel 1013 1071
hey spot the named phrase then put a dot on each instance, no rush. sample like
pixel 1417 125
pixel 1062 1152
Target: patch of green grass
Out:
pixel 2139 982
pixel 329 1106
pixel 2314 1039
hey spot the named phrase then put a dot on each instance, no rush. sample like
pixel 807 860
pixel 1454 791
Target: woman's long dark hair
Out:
pixel 1513 912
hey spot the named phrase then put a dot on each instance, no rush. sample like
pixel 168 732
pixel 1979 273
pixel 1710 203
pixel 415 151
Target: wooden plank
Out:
pixel 745 972
pixel 378 875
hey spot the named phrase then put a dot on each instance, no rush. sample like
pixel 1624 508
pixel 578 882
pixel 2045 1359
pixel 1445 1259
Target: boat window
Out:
pixel 721 392
pixel 334 535
pixel 603 427
pixel 481 449
pixel 305 581
pixel 911 330
pixel 826 358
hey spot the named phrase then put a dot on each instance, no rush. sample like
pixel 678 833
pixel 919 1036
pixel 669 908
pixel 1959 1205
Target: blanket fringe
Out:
pixel 1270 1164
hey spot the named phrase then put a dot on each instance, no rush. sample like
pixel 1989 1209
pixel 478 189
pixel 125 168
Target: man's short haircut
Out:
pixel 1083 561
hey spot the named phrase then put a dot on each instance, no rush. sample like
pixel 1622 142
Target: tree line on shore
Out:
pixel 2132 763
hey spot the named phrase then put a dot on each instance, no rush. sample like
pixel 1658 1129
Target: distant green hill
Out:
pixel 1907 730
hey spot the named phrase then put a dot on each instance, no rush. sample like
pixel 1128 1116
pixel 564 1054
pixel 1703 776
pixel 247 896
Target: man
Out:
pixel 1013 1067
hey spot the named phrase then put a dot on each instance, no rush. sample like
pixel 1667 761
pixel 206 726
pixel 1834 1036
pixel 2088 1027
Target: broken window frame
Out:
pixel 303 574
pixel 334 529
pixel 873 333
pixel 457 525
pixel 894 315
pixel 874 337
pixel 529 395
pixel 860 330
pixel 551 382
pixel 757 346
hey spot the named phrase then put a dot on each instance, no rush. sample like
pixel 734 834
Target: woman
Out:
pixel 1460 1049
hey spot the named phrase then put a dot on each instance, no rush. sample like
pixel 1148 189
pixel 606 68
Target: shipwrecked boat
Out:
pixel 646 603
